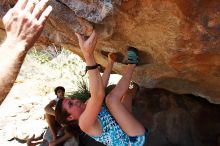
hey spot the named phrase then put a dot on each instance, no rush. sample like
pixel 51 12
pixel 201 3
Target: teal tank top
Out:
pixel 112 134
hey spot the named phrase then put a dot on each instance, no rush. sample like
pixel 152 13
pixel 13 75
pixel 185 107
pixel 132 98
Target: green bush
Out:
pixel 39 56
pixel 82 92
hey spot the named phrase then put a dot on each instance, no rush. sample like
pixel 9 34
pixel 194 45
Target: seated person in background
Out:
pixel 50 111
pixel 58 132
pixel 67 138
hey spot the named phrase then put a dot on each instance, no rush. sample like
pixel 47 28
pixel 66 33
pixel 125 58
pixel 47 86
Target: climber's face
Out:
pixel 74 107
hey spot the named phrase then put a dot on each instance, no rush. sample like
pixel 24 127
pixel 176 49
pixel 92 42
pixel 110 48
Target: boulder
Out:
pixel 178 40
pixel 177 120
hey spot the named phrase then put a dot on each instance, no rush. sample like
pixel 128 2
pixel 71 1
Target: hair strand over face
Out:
pixel 61 114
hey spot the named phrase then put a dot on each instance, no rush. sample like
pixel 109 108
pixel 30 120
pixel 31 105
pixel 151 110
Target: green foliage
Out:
pixel 39 56
pixel 53 66
pixel 82 92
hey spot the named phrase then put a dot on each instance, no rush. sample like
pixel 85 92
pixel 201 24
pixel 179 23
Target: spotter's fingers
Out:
pixel 40 8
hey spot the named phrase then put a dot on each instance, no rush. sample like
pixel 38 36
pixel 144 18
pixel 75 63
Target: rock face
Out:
pixel 177 120
pixel 178 40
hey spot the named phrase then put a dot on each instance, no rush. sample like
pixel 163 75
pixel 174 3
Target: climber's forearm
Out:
pixel 23 25
pixel 107 72
pixel 11 59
